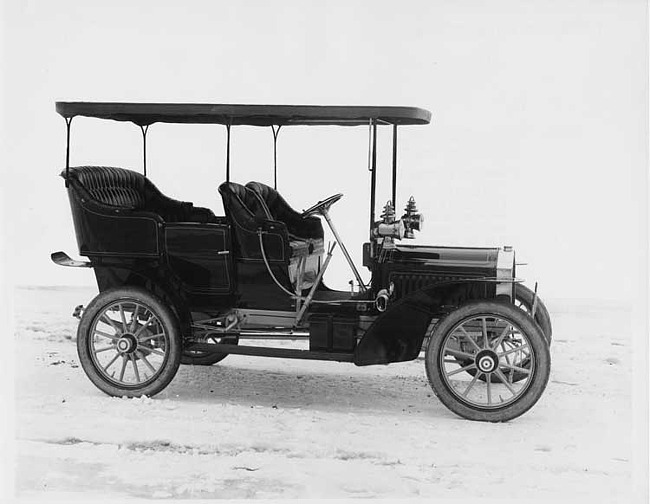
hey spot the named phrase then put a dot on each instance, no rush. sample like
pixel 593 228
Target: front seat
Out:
pixel 309 228
pixel 287 237
pixel 305 235
pixel 248 215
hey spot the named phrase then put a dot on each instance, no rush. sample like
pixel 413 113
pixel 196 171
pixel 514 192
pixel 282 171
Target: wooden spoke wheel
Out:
pixel 129 343
pixel 471 369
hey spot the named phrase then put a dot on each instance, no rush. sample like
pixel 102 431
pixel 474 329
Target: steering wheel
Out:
pixel 321 206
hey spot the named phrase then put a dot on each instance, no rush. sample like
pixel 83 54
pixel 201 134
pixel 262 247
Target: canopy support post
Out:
pixel 144 130
pixel 394 165
pixel 373 170
pixel 228 152
pixel 275 155
pixel 68 123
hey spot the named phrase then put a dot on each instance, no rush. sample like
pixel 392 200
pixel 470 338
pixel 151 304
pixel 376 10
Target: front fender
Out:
pixel 397 334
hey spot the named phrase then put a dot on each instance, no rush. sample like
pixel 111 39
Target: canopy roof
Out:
pixel 253 115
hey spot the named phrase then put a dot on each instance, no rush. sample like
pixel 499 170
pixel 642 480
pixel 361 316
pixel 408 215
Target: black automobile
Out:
pixel 181 285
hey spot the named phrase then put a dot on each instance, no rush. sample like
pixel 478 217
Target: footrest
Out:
pixel 63 259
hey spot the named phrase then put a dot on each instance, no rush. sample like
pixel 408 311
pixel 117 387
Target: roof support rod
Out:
pixel 394 165
pixel 373 170
pixel 144 130
pixel 68 123
pixel 228 152
pixel 275 155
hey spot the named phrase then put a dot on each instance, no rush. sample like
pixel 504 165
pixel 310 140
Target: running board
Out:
pixel 283 353
pixel 63 259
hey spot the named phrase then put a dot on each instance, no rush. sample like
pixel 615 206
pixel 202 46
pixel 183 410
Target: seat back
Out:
pixel 243 206
pixel 111 186
pixel 125 189
pixel 280 210
pixel 247 213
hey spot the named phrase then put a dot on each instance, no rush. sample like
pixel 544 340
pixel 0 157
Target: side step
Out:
pixel 285 353
pixel 63 259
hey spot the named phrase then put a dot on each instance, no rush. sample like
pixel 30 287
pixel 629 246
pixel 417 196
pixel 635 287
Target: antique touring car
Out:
pixel 181 285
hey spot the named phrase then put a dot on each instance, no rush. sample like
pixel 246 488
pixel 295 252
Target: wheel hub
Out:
pixel 487 361
pixel 127 344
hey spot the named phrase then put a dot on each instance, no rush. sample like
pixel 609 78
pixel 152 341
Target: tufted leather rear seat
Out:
pixel 119 188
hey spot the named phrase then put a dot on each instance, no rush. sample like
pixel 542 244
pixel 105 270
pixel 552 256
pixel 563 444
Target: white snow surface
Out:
pixel 252 427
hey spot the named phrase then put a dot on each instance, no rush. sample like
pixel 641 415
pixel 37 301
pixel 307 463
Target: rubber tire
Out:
pixel 539 351
pixel 542 317
pixel 206 359
pixel 167 319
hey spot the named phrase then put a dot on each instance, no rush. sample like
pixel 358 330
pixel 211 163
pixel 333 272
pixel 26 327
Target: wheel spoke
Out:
pixel 503 335
pixel 123 367
pixel 144 326
pixel 134 317
pixel 459 354
pixel 478 348
pixel 111 362
pixel 516 368
pixel 505 381
pixel 488 382
pixel 460 370
pixel 106 335
pixel 152 350
pixel 135 368
pixel 104 349
pixel 146 361
pixel 148 338
pixel 123 317
pixel 109 321
pixel 486 343
pixel 471 384
pixel 503 345
pixel 513 350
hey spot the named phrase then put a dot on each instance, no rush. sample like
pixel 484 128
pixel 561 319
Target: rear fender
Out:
pixel 150 277
pixel 397 334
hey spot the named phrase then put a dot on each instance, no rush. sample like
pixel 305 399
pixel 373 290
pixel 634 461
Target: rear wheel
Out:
pixel 129 343
pixel 465 346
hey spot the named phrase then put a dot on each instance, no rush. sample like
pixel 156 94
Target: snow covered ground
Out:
pixel 274 428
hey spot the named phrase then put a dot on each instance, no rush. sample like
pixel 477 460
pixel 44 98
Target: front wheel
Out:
pixel 129 343
pixel 471 372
